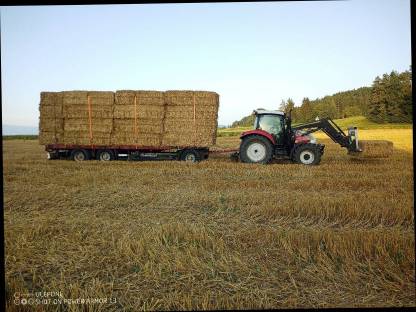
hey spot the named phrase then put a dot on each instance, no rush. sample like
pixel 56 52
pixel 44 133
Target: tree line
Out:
pixel 388 100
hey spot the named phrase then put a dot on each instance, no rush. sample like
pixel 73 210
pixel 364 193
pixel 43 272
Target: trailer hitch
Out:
pixel 235 156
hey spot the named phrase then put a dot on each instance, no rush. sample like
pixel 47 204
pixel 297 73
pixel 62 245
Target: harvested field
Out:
pixel 212 235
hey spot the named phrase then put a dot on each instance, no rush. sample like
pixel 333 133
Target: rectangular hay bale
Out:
pixel 104 125
pixel 141 111
pixel 186 98
pixel 143 125
pixel 374 149
pixel 143 97
pixel 142 140
pixel 82 111
pixel 51 98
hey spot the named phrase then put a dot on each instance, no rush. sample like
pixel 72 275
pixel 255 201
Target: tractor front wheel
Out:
pixel 307 154
pixel 256 149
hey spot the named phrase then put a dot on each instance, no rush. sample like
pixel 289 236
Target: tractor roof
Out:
pixel 260 111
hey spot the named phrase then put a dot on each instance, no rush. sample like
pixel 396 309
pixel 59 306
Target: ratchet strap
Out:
pixel 55 118
pixel 89 118
pixel 135 120
pixel 193 98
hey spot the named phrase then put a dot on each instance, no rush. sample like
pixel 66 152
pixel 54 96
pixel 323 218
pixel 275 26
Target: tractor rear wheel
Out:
pixel 256 149
pixel 307 154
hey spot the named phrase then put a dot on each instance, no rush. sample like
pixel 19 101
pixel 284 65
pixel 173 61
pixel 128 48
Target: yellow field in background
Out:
pixel 212 235
pixel 401 138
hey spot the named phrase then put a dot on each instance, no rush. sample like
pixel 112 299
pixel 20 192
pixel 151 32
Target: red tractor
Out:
pixel 274 137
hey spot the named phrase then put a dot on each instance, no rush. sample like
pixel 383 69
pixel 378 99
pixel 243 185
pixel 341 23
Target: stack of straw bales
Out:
pixel 87 122
pixel 129 117
pixel 374 149
pixel 51 126
pixel 191 118
pixel 138 118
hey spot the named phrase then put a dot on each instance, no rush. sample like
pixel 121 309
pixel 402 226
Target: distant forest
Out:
pixel 388 100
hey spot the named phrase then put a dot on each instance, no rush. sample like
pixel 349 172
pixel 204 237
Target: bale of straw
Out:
pixel 140 111
pixel 97 111
pixel 374 149
pixel 50 111
pixel 188 139
pixel 187 98
pixel 51 124
pixel 142 126
pixel 50 137
pixel 50 118
pixel 50 98
pixel 51 104
pixel 101 98
pixel 82 124
pixel 83 137
pixel 126 97
pixel 149 140
pixel 75 98
pixel 187 112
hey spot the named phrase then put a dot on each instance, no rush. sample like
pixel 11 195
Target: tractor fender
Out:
pixel 258 132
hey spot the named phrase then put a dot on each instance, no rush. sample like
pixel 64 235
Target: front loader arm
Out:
pixel 331 129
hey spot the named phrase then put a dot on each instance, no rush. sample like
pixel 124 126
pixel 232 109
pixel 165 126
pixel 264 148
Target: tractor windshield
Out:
pixel 273 124
pixel 270 123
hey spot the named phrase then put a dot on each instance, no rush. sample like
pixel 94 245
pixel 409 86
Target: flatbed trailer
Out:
pixel 126 152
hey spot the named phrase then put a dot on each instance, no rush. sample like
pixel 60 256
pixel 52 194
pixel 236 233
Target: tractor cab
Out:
pixel 272 121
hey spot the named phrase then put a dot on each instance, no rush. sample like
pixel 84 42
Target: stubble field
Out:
pixel 212 235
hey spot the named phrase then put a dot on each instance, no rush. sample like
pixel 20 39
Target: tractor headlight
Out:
pixel 312 138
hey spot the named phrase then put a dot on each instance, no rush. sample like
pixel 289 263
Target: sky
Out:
pixel 252 54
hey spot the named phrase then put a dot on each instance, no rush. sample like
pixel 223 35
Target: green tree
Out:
pixel 306 111
pixel 282 106
pixel 290 105
pixel 406 91
pixel 377 105
pixel 352 111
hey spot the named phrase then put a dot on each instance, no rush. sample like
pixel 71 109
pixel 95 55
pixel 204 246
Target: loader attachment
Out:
pixel 332 130
pixel 353 140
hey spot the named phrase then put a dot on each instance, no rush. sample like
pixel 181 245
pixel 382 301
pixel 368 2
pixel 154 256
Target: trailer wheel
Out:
pixel 80 155
pixel 105 155
pixel 307 154
pixel 256 149
pixel 190 156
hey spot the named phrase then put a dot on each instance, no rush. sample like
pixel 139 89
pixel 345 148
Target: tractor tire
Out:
pixel 190 155
pixel 105 155
pixel 80 155
pixel 307 154
pixel 256 149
